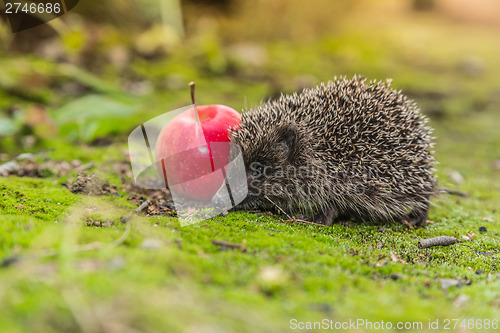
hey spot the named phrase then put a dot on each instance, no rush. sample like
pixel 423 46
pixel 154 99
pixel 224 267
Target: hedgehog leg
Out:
pixel 418 217
pixel 326 217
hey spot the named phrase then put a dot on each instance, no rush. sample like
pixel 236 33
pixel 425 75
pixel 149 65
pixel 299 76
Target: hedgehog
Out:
pixel 345 150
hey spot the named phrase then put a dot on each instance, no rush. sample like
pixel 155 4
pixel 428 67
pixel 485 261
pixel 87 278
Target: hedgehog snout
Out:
pixel 232 193
pixel 225 197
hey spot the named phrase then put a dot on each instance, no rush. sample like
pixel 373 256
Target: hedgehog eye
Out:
pixel 257 169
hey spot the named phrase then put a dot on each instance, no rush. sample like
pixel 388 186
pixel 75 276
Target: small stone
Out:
pixel 448 283
pixel 116 263
pixel 107 223
pixel 460 301
pixel 345 223
pixel 480 271
pixel 9 168
pixel 271 277
pixel 456 177
pixel 496 303
pixel 9 261
pixel 25 156
pixel 483 229
pixel 496 164
pixel 151 244
pixel 326 308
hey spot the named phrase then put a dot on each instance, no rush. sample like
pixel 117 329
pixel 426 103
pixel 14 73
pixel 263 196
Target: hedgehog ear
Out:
pixel 288 140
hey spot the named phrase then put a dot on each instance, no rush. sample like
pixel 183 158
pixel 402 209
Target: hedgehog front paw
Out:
pixel 417 218
pixel 326 217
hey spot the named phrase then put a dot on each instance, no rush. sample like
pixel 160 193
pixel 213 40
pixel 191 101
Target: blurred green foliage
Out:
pixel 106 67
pixel 81 119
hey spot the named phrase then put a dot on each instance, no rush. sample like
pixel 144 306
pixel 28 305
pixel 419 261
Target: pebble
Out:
pixel 447 283
pixel 456 177
pixel 151 244
pixel 460 301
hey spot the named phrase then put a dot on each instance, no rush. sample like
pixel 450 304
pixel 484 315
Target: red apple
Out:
pixel 186 154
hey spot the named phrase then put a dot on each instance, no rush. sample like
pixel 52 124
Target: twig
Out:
pixel 485 254
pixel 137 211
pixel 265 196
pixel 303 221
pixel 271 229
pixel 437 241
pixel 454 192
pixel 84 167
pixel 142 206
pixel 228 244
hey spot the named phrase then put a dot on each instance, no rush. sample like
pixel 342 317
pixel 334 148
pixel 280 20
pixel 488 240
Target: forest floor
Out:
pixel 69 264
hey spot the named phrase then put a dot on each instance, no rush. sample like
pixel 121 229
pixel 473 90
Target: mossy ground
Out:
pixel 152 275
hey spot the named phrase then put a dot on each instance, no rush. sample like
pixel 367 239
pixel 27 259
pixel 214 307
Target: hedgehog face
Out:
pixel 271 164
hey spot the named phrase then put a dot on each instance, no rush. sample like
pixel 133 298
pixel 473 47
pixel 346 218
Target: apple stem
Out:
pixel 193 100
